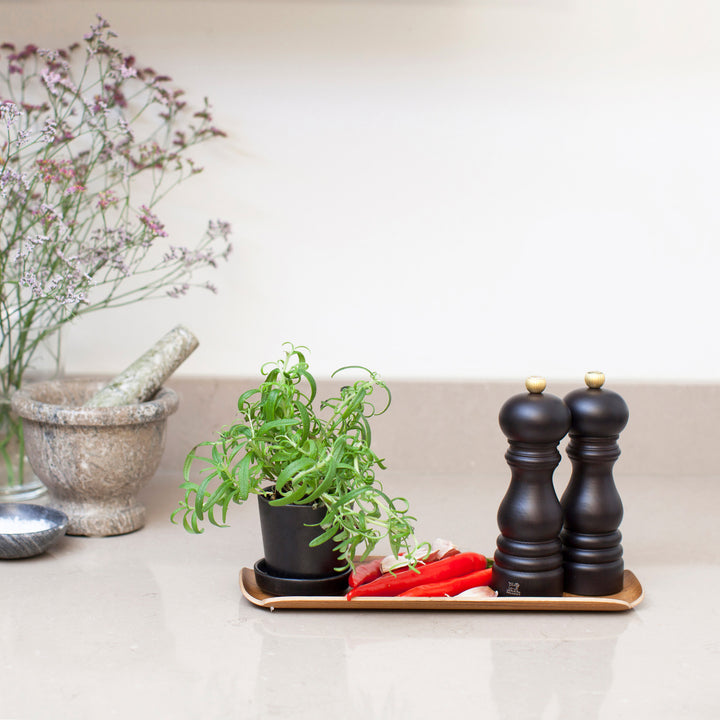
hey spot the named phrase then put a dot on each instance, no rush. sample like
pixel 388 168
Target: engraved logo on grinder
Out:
pixel 513 588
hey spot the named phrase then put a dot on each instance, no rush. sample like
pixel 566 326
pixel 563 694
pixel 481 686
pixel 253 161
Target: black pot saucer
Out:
pixel 335 584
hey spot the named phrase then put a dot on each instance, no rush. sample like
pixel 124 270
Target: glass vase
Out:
pixel 18 482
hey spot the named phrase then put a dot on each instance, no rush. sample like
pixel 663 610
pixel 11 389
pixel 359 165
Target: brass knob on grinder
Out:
pixel 535 384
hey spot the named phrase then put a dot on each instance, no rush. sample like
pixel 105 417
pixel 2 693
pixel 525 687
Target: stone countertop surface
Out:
pixel 153 625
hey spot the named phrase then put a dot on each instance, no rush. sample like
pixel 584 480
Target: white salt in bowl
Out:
pixel 27 530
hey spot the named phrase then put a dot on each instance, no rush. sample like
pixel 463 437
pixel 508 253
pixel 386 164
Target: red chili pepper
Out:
pixel 451 587
pixel 390 585
pixel 366 572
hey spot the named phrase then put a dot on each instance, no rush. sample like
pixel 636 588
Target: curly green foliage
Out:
pixel 283 449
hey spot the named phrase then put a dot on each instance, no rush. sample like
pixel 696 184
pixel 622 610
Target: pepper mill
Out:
pixel 591 504
pixel 528 559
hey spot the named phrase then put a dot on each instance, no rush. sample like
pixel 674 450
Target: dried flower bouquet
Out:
pixel 90 143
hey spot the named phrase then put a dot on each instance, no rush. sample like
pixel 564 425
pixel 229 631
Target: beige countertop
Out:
pixel 153 624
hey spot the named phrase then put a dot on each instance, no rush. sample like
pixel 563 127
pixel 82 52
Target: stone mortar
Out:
pixel 93 461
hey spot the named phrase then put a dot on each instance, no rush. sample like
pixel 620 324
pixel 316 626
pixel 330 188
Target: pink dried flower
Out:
pixel 219 228
pixel 23 137
pixel 178 291
pixel 30 280
pixel 27 246
pixel 56 171
pixel 127 72
pixel 47 135
pixel 106 198
pixel 51 79
pixel 68 84
pixel 151 222
pixel 9 111
pixel 96 30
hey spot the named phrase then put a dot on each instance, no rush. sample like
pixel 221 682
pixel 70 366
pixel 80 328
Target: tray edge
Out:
pixel 567 603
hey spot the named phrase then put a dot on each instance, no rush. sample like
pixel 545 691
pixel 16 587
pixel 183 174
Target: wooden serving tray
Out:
pixel 629 597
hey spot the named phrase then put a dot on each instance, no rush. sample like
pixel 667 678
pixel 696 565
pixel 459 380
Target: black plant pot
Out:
pixel 290 565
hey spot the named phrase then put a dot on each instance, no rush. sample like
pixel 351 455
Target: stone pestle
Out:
pixel 141 380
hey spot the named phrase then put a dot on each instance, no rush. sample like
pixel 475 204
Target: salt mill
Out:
pixel 528 559
pixel 591 504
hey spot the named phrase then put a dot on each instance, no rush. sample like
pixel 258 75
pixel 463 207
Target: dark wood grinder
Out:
pixel 528 559
pixel 591 504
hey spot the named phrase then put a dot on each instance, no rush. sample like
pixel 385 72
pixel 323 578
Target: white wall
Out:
pixel 440 189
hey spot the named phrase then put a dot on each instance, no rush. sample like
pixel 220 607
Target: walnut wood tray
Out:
pixel 629 597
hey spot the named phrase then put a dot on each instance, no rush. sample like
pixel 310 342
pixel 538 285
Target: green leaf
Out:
pixel 225 504
pixel 211 518
pixel 245 397
pixel 289 471
pixel 272 375
pixel 311 382
pixel 330 471
pixel 301 410
pixel 274 425
pixel 242 474
pixel 238 430
pixel 270 403
pixel 349 497
pixel 324 537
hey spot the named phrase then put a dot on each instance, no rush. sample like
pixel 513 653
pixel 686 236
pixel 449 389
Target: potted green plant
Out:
pixel 299 457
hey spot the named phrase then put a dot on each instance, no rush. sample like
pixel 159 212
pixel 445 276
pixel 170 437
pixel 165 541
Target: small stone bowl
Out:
pixel 93 461
pixel 28 530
